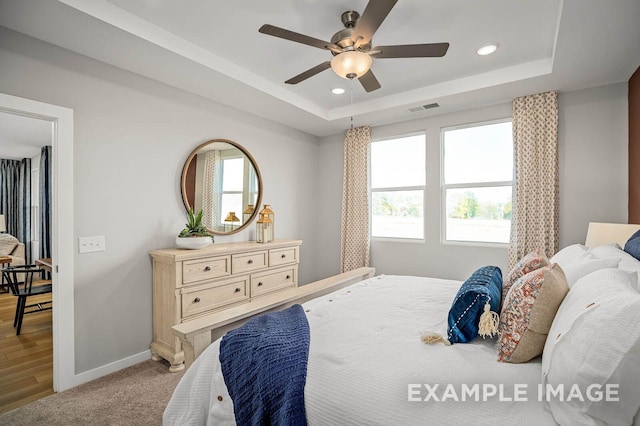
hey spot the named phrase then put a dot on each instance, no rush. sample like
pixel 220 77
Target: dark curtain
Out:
pixel 15 200
pixel 45 202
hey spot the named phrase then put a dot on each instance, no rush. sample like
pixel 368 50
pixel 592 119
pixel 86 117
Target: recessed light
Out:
pixel 487 49
pixel 337 91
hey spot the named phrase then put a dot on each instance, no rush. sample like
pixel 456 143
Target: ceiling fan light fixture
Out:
pixel 487 49
pixel 351 64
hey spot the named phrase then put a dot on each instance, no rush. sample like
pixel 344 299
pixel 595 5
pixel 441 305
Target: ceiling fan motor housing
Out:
pixel 343 38
pixel 349 18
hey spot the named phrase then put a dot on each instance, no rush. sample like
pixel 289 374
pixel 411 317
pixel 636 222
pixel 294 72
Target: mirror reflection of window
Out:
pixel 232 175
pixel 232 187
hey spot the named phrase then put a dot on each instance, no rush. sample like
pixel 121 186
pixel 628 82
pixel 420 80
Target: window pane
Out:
pixel 398 162
pixel 478 154
pixel 231 203
pixel 233 171
pixel 397 214
pixel 479 214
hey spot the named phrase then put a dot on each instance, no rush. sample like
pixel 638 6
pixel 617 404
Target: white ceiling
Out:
pixel 213 48
pixel 22 137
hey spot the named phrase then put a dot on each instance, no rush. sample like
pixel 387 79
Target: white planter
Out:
pixel 193 243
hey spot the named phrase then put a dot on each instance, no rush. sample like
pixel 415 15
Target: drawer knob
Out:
pixel 283 256
pixel 250 261
pixel 196 300
pixel 238 290
pixel 288 276
pixel 207 268
pixel 260 284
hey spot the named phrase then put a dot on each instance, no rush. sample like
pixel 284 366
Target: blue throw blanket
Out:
pixel 264 364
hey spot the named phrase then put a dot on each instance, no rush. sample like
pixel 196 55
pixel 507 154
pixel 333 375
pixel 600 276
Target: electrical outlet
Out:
pixel 91 244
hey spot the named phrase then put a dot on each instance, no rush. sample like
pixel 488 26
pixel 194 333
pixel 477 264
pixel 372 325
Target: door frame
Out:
pixel 62 240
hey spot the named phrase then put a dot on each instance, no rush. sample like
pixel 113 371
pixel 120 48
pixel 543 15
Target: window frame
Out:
pixel 422 188
pixel 444 187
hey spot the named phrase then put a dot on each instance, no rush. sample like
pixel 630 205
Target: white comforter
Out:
pixel 366 360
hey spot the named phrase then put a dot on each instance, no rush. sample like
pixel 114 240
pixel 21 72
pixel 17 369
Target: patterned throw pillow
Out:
pixel 528 312
pixel 482 287
pixel 530 262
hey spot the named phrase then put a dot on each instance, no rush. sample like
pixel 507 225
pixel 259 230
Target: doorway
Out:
pixel 25 146
pixel 60 120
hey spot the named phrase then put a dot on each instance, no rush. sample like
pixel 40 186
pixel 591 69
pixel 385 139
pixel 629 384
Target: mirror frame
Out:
pixel 183 179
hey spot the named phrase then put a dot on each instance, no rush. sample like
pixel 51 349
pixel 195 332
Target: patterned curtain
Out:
pixel 211 189
pixel 44 203
pixel 15 200
pixel 354 251
pixel 536 199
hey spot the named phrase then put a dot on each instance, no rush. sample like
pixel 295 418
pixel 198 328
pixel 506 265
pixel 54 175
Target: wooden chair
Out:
pixel 25 281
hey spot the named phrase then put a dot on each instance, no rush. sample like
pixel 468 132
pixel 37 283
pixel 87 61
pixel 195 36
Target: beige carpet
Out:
pixel 134 396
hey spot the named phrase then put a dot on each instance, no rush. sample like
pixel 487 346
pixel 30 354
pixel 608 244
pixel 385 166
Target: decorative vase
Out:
pixel 193 243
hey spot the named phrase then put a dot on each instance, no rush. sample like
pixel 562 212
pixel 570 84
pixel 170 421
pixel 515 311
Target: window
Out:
pixel 477 182
pixel 398 178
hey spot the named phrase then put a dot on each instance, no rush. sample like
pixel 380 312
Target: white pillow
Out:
pixel 595 341
pixel 577 261
pixel 627 262
pixel 575 271
pixel 568 255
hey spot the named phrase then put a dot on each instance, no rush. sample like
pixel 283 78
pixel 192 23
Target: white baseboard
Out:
pixel 103 370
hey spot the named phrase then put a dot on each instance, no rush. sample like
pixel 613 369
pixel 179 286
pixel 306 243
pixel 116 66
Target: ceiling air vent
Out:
pixel 423 107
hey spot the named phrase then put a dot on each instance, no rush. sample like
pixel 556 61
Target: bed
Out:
pixel 368 365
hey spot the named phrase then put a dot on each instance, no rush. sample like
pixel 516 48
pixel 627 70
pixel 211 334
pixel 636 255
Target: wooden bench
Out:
pixel 197 334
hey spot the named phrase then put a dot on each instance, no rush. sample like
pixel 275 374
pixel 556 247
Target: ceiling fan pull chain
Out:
pixel 351 100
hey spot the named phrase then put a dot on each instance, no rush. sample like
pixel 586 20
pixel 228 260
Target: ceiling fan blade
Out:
pixel 369 82
pixel 309 73
pixel 430 50
pixel 297 37
pixel 372 17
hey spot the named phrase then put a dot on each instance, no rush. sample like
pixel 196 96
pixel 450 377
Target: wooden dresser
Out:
pixel 188 284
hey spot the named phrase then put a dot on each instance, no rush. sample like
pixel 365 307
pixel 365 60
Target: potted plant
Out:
pixel 195 235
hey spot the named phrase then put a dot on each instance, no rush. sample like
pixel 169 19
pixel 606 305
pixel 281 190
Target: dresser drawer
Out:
pixel 205 269
pixel 247 262
pixel 283 256
pixel 207 297
pixel 278 279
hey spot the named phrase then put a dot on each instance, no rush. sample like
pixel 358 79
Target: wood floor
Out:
pixel 26 361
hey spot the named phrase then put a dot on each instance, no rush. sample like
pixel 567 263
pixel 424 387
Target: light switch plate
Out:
pixel 91 244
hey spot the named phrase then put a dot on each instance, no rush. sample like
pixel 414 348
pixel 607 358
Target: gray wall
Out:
pixel 594 144
pixel 593 183
pixel 132 136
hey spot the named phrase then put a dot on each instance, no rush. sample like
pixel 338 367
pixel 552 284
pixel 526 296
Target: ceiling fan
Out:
pixel 352 48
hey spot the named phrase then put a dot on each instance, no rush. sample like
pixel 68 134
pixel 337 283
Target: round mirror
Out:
pixel 223 180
